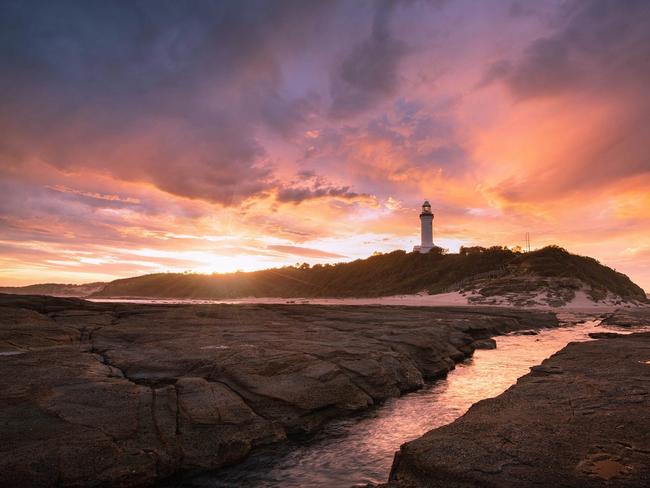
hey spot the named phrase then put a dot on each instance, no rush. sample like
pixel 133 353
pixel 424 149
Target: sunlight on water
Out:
pixel 360 450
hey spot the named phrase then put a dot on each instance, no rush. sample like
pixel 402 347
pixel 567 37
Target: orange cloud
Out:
pixel 316 132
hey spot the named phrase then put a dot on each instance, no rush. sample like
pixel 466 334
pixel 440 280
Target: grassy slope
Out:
pixel 387 274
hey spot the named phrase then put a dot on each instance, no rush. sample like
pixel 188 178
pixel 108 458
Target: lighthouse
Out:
pixel 426 229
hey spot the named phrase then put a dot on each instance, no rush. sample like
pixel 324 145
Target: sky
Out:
pixel 152 136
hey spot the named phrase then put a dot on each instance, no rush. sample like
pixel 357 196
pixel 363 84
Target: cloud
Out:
pixel 496 71
pixel 94 195
pixel 304 251
pixel 173 95
pixel 288 122
pixel 407 142
pixel 300 194
pixel 517 10
pixel 594 34
pixel 545 68
pixel 587 79
pixel 369 73
pixel 308 185
pixel 451 156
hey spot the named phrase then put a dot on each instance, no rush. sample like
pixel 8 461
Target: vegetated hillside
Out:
pixel 394 273
pixel 55 289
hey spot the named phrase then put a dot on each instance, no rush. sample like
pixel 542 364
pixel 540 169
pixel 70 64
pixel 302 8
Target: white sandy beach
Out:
pixel 581 302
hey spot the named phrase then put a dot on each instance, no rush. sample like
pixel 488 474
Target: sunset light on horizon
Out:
pixel 212 137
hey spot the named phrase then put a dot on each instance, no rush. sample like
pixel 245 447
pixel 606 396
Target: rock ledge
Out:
pixel 578 420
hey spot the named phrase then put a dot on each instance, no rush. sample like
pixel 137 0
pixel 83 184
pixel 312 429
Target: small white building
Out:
pixel 426 229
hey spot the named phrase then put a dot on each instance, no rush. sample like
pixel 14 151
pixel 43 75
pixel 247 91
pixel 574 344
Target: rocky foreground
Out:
pixel 581 419
pixel 124 394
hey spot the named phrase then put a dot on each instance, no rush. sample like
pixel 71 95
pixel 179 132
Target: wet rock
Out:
pixel 578 420
pixel 546 369
pixel 127 394
pixel 524 332
pixel 603 335
pixel 215 425
pixel 485 344
pixel 629 317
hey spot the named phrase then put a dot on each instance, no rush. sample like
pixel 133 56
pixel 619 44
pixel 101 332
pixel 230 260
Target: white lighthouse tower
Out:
pixel 426 229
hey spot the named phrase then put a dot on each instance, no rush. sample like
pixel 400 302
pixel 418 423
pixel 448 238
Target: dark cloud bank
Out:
pixel 599 53
pixel 175 93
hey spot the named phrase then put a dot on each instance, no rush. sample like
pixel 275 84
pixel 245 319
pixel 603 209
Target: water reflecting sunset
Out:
pixel 360 450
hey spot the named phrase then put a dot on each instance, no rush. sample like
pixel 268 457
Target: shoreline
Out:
pixel 203 396
pixel 454 299
pixel 597 391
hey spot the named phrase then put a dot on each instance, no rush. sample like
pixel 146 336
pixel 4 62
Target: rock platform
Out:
pixel 123 395
pixel 580 419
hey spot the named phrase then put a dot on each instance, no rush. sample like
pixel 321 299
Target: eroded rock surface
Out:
pixel 581 419
pixel 124 394
pixel 629 317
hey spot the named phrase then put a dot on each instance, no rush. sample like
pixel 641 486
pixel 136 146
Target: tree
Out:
pixel 469 250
